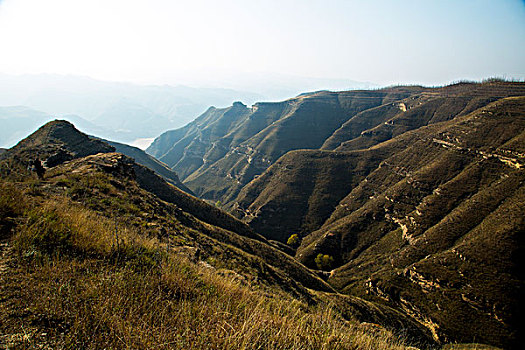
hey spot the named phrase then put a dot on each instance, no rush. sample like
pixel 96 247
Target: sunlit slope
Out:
pixel 102 252
pixel 429 221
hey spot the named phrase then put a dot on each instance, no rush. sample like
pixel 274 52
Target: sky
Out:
pixel 203 42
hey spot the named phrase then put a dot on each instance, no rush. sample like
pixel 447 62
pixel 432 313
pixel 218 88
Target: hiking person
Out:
pixel 36 166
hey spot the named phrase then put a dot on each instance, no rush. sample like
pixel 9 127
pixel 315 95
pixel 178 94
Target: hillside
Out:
pixel 415 193
pixel 59 141
pixel 148 161
pixel 104 253
pixel 414 224
pixel 224 149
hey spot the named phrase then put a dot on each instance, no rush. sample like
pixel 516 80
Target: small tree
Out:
pixel 293 240
pixel 324 262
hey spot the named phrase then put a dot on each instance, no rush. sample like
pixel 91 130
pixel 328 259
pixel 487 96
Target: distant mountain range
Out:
pixel 118 111
pixel 413 196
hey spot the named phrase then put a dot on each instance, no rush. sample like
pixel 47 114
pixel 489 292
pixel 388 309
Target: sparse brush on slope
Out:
pixel 416 193
pixel 91 257
pixel 77 279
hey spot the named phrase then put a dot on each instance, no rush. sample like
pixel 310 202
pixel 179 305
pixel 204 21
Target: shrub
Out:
pixel 293 240
pixel 324 262
pixel 12 205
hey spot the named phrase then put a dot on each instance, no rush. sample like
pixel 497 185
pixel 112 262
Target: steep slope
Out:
pixel 224 149
pixel 148 161
pixel 300 191
pixel 311 174
pixel 104 234
pixel 56 142
pixel 171 146
pixel 430 221
pixel 312 171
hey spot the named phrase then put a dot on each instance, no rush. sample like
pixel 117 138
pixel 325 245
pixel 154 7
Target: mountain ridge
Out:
pixel 412 203
pixel 148 161
pixel 255 141
pixel 403 192
pixel 93 214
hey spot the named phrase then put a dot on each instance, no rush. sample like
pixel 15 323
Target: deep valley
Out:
pixel 368 219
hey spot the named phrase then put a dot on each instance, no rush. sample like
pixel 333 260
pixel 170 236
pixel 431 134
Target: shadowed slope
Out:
pixel 224 149
pixel 148 161
pixel 119 240
pixel 412 220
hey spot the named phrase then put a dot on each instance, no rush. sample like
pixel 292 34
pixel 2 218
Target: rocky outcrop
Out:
pixel 148 161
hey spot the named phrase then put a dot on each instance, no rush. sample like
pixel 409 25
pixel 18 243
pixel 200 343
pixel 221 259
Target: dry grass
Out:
pixel 78 288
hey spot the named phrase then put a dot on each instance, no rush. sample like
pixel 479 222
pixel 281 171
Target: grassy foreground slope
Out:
pixel 72 278
pixel 91 257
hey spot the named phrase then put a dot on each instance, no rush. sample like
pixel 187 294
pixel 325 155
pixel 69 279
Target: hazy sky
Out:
pixel 170 41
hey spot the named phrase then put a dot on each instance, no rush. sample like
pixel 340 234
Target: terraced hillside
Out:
pixel 431 221
pixel 416 195
pixel 224 149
